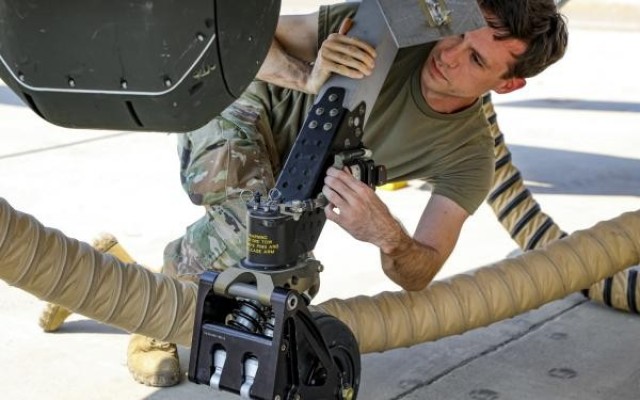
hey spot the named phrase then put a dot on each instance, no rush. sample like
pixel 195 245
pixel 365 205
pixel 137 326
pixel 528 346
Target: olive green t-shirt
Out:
pixel 453 152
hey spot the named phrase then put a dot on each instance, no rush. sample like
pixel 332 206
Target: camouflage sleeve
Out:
pixel 230 154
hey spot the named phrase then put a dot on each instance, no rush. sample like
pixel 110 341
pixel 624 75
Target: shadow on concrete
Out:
pixel 550 171
pixel 9 98
pixel 574 104
pixel 570 172
pixel 88 326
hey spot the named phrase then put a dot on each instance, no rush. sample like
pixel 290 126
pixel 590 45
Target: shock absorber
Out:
pixel 250 316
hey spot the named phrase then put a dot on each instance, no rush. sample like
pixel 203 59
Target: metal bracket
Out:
pixel 437 12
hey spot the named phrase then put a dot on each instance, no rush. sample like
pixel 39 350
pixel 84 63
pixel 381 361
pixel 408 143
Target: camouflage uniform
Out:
pixel 232 156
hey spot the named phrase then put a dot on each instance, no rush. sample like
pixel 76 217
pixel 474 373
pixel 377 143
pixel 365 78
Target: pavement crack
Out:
pixel 492 349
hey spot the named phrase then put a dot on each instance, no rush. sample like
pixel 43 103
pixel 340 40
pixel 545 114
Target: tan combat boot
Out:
pixel 53 317
pixel 153 362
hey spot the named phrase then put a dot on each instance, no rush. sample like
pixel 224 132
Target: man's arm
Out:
pixel 411 262
pixel 295 62
pixel 294 48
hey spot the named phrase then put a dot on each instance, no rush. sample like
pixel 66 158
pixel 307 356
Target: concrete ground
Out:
pixel 574 132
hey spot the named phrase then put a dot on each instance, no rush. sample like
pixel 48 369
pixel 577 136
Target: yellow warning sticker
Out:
pixel 261 244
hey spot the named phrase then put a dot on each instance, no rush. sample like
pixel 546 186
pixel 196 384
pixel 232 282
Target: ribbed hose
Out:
pixel 55 268
pixel 493 293
pixel 521 215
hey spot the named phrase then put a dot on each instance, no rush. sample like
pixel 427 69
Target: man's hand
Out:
pixel 356 208
pixel 410 262
pixel 342 55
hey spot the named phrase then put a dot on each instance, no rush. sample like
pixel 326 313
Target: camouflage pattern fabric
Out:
pixel 221 164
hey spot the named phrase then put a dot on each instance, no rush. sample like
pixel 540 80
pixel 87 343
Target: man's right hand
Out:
pixel 342 55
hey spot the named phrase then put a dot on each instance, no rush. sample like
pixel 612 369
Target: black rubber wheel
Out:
pixel 343 348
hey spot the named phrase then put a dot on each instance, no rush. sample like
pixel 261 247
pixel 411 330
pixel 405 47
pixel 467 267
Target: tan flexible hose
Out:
pixel 521 215
pixel 493 293
pixel 55 268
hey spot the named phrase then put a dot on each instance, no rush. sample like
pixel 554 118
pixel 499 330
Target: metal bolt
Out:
pixel 277 397
pixel 123 84
pixel 319 111
pixel 313 124
pixel 333 112
pixel 167 82
pixel 327 126
pixel 200 37
pixel 72 83
pixel 292 302
pixel 21 77
pixel 356 121
pixel 250 38
pixel 333 97
pixel 283 348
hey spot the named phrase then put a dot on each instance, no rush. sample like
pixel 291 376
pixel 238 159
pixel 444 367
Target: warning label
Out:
pixel 261 244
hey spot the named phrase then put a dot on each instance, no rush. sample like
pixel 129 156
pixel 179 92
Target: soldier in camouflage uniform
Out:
pixel 220 165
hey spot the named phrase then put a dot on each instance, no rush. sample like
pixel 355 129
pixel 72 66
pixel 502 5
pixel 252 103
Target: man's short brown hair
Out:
pixel 536 22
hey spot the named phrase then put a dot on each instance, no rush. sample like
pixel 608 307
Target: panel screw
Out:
pixel 313 124
pixel 167 82
pixel 333 97
pixel 123 84
pixel 72 83
pixel 327 126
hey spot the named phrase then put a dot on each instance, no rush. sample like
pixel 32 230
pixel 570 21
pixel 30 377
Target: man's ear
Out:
pixel 509 85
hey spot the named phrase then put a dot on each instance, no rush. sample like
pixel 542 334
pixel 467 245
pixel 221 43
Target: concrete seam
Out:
pixel 488 351
pixel 61 146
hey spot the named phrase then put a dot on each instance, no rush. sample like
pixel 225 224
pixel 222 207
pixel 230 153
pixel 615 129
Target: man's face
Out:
pixel 465 67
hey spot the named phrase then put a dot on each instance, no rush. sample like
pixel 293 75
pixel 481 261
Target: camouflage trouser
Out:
pixel 233 155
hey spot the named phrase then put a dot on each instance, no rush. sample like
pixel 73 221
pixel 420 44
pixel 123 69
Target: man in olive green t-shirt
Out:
pixel 426 123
